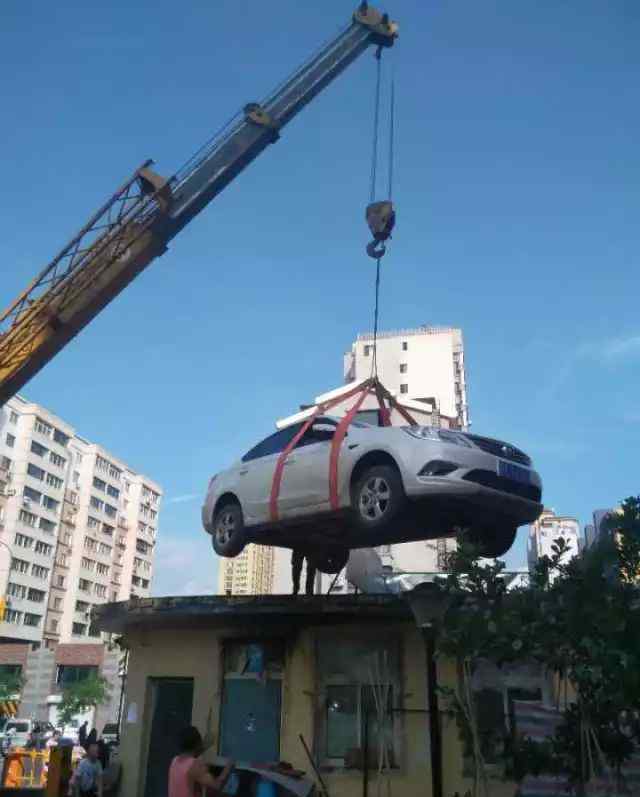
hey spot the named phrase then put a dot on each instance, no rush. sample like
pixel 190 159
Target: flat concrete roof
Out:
pixel 207 611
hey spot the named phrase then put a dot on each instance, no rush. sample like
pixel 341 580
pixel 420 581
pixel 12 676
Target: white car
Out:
pixel 393 484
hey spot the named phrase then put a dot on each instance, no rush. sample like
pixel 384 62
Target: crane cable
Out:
pixel 374 249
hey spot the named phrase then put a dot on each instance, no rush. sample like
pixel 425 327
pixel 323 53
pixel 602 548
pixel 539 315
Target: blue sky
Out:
pixel 517 181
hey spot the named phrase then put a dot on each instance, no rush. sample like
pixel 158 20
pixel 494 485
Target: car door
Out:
pixel 255 475
pixel 305 478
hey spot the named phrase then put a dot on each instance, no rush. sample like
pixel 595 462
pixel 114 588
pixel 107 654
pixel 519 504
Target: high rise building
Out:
pixel 78 527
pixel 250 573
pixel 425 364
pixel 547 529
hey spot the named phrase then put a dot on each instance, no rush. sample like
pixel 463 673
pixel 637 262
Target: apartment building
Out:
pixel 424 363
pixel 250 573
pixel 78 527
pixel 547 529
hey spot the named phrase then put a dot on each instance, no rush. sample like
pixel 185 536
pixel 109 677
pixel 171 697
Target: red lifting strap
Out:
pixel 336 443
pixel 321 408
pixel 363 389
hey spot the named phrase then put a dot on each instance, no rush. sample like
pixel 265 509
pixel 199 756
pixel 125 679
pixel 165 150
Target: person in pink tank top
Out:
pixel 188 773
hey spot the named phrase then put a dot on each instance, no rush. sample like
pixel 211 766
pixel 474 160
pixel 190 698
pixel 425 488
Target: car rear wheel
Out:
pixel 228 530
pixel 330 561
pixel 378 497
pixel 492 541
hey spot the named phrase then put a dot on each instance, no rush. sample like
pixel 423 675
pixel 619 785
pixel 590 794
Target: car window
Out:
pixel 273 444
pixel 321 430
pixel 18 727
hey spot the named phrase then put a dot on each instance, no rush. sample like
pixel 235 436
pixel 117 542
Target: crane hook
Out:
pixel 381 218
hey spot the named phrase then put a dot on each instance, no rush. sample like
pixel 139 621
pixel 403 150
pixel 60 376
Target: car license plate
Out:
pixel 514 472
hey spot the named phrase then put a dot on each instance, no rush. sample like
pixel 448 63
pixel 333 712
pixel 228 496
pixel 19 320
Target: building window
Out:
pixel 403 368
pixel 110 511
pixel 405 346
pixel 10 440
pixel 50 503
pixel 352 707
pixel 61 438
pixel 37 449
pixel 43 428
pixel 32 495
pixel 19 565
pixel 107 529
pixel 94 631
pixel 82 606
pixel 57 603
pixel 23 541
pixel 78 629
pixel 13 417
pixel 99 484
pixel 69 674
pixel 47 525
pixel 37 571
pixel 12 616
pixel 5 463
pixel 32 619
pixel 43 548
pixel 54 481
pixel 28 518
pixel 100 590
pixel 92 522
pixel 16 590
pixel 96 503
pixel 88 564
pixel 61 581
pixel 57 460
pixel 84 585
pixel 367 351
pixel 102 464
pixel 36 595
pixel 53 625
pixel 113 492
pixel 101 569
pixel 90 544
pixel 404 388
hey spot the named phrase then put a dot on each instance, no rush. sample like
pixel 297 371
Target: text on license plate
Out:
pixel 514 472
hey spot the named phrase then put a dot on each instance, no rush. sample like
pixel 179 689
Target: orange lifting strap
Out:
pixel 370 386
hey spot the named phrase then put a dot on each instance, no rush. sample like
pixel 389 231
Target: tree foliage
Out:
pixel 10 685
pixel 78 698
pixel 580 621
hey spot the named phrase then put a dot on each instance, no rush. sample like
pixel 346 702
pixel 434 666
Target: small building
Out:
pixel 351 675
pixel 46 671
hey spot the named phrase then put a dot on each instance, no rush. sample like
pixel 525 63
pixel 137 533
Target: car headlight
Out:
pixel 439 435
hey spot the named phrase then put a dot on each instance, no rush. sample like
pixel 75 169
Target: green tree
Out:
pixel 580 620
pixel 82 696
pixel 11 684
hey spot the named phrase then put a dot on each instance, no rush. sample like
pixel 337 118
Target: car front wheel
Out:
pixel 228 530
pixel 378 497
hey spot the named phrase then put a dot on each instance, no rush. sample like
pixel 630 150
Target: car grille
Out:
pixel 488 478
pixel 500 449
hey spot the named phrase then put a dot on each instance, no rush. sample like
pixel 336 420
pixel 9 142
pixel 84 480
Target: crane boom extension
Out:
pixel 136 224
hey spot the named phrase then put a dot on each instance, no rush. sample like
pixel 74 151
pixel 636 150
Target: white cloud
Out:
pixel 182 499
pixel 185 565
pixel 611 349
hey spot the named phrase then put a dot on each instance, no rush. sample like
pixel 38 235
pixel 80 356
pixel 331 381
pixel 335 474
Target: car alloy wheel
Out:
pixel 375 498
pixel 225 527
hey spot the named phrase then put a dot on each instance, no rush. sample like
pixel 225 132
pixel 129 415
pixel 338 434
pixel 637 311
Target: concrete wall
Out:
pixel 197 654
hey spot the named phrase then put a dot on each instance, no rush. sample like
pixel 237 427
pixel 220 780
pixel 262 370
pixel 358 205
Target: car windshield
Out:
pixel 113 728
pixel 18 727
